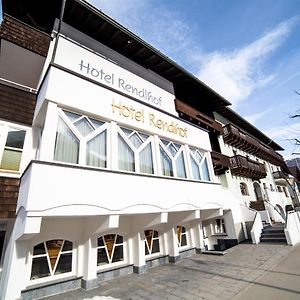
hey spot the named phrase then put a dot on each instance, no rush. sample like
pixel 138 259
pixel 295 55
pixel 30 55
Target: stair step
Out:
pixel 273 231
pixel 273 239
pixel 268 234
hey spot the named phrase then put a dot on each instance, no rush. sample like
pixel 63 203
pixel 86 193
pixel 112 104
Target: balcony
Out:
pixel 280 177
pixel 196 117
pixel 237 138
pixel 243 166
pixel 220 162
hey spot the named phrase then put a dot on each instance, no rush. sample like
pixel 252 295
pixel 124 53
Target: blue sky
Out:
pixel 248 51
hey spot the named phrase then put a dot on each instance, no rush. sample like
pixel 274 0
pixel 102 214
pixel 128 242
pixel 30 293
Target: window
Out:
pixel 51 258
pixel 271 187
pixel 244 189
pixel 181 236
pixel 279 189
pixel 285 191
pixel 172 159
pixel 219 226
pixel 110 249
pixel 135 151
pixel 199 165
pixel 12 152
pixel 81 140
pixel 151 242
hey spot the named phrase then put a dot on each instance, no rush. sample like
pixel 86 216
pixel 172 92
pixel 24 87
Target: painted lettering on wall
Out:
pixel 109 78
pixel 140 116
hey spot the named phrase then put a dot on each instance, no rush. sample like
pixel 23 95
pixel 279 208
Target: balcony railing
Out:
pixel 243 166
pixel 220 161
pixel 279 175
pixel 237 138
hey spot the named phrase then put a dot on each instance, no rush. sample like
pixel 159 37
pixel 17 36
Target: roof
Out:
pixel 93 22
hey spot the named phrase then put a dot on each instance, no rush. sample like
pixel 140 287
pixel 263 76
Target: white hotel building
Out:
pixel 113 180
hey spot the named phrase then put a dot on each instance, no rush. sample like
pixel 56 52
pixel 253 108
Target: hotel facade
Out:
pixel 114 159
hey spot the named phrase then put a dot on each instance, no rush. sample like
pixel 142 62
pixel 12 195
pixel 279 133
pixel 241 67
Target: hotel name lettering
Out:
pixel 119 83
pixel 140 116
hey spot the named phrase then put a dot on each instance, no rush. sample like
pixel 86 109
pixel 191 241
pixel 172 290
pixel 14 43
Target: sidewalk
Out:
pixel 263 271
pixel 280 282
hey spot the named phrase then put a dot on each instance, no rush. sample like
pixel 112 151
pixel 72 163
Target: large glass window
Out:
pixel 181 236
pixel 135 151
pixel 12 152
pixel 172 159
pixel 51 258
pixel 78 133
pixel 110 249
pixel 151 242
pixel 219 226
pixel 199 164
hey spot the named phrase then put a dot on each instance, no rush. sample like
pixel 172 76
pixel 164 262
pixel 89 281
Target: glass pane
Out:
pixel 148 236
pixel 15 138
pixel 195 169
pixel 39 268
pixel 172 149
pixel 180 166
pixel 66 145
pixel 205 171
pixel 155 246
pixel 118 254
pixel 146 249
pixel 198 156
pixel 96 123
pixel 84 126
pixel 96 151
pixel 166 143
pixel 11 159
pixel 177 146
pixel 68 246
pixel 155 234
pixel 143 136
pixel 119 239
pixel 183 240
pixel 102 257
pixel 166 162
pixel 53 248
pixel 136 140
pixel 183 229
pixel 127 131
pixel 72 116
pixel 39 249
pixel 109 242
pixel 100 241
pixel 179 233
pixel 146 162
pixel 126 156
pixel 64 264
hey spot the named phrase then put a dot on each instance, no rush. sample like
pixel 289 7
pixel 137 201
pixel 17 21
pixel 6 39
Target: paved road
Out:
pixel 209 277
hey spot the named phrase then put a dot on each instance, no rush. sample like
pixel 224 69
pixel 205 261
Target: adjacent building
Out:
pixel 115 159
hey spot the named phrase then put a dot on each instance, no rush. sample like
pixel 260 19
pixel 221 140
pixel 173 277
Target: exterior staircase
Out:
pixel 273 234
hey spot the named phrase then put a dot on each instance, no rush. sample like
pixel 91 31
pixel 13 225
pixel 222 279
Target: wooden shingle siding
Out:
pixel 16 105
pixel 9 191
pixel 25 36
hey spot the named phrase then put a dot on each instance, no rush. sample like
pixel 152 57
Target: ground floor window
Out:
pixel 110 249
pixel 151 242
pixel 51 258
pixel 219 226
pixel 181 235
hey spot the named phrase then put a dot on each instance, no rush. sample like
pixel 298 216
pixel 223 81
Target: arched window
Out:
pixel 110 249
pixel 181 236
pixel 51 258
pixel 279 188
pixel 151 242
pixel 244 189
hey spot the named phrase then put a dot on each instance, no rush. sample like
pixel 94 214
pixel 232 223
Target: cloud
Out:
pixel 163 28
pixel 255 117
pixel 284 132
pixel 237 73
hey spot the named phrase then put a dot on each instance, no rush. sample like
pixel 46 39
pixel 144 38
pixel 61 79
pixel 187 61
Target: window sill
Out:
pixel 219 234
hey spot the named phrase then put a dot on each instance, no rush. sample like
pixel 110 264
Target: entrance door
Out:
pixel 258 192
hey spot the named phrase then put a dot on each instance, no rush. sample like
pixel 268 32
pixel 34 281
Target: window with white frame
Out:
pixel 199 164
pixel 172 159
pixel 51 258
pixel 110 249
pixel 181 236
pixel 219 226
pixel 11 147
pixel 135 151
pixel 151 242
pixel 81 139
